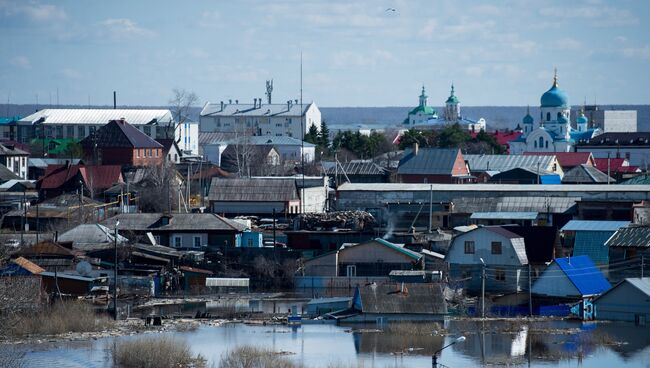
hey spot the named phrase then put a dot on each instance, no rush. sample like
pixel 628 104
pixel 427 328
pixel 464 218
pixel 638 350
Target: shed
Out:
pixel 374 300
pixel 571 278
pixel 629 301
pixel 585 174
pixel 589 238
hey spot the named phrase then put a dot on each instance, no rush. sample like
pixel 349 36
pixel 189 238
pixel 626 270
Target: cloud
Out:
pixel 20 62
pixel 595 15
pixel 567 44
pixel 210 19
pixel 33 12
pixel 642 53
pixel 343 59
pixel 474 71
pixel 124 28
pixel 71 73
pixel 428 28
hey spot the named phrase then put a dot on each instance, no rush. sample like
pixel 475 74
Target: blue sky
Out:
pixel 355 53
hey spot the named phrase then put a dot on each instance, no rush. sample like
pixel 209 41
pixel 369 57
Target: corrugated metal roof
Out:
pixel 265 110
pixel 643 284
pixel 90 233
pixel 568 159
pixel 215 137
pixel 586 174
pixel 6 174
pixel 504 215
pixel 585 225
pixel 514 204
pixel 635 236
pixel 354 168
pixel 428 161
pixel 43 163
pixel 571 188
pixel 120 134
pixel 391 298
pixel 582 272
pixel 11 150
pixel 638 180
pixel 253 190
pixel 507 162
pixel 177 221
pixel 99 116
pixel 407 252
pixel 68 276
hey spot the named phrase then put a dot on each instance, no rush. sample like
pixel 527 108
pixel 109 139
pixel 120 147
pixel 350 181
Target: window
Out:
pixel 535 144
pixel 469 247
pixel 351 271
pixel 175 157
pixel 496 247
pixel 548 116
pixel 197 242
pixel 147 130
pixel 69 131
pixel 178 242
pixel 559 115
pixel 59 131
pixel 149 152
pixel 500 274
pixel 546 143
pixel 137 153
pixel 541 142
pixel 157 152
pixel 91 130
pixel 81 131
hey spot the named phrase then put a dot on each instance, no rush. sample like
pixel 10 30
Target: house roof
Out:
pixel 268 140
pixel 210 172
pixel 585 174
pixel 177 221
pixel 514 204
pixel 568 159
pixel 354 168
pixel 265 110
pixel 99 177
pixel 619 139
pixel 6 174
pixel 507 162
pixel 633 236
pixel 584 275
pixel 429 161
pixel 585 225
pixel 253 190
pixel 642 284
pixel 98 116
pixel 257 154
pixel 43 163
pixel 397 298
pixel 90 233
pixel 415 255
pixel 638 180
pixel 45 248
pixel 17 183
pixel 7 149
pixel 539 240
pixel 215 138
pixel 120 134
pixel 504 215
pixel 28 265
pixel 167 144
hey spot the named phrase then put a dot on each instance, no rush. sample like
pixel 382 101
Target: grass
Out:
pixel 254 357
pixel 155 352
pixel 63 317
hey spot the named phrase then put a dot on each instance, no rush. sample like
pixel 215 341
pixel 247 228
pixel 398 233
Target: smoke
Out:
pixel 390 225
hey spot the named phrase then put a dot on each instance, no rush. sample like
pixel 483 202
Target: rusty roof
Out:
pixel 397 298
pixel 28 265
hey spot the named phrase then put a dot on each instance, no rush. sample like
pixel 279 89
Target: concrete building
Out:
pixel 80 123
pixel 635 147
pixel 623 121
pixel 500 251
pixel 259 119
pixel 628 301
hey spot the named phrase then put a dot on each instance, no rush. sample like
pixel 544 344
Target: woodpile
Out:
pixel 352 220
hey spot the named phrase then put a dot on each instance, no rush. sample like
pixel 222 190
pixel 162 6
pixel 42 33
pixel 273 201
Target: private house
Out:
pixel 500 251
pixel 375 257
pixel 627 247
pixel 570 278
pixel 170 150
pixel 289 119
pixel 94 180
pixel 120 143
pixel 254 196
pixel 38 166
pixel 503 138
pixel 7 175
pixel 525 175
pixel 49 255
pixel 628 301
pixel 77 124
pixel 585 174
pixel 398 302
pixel 542 243
pixel 568 160
pixel 85 234
pixel 192 231
pixel 633 146
pixel 357 171
pixel 290 149
pixel 315 242
pixel 250 160
pixel 14 159
pixel 588 238
pixel 544 163
pixel 618 168
pixel 433 165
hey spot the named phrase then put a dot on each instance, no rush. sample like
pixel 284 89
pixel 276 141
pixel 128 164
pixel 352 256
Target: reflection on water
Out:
pixel 559 343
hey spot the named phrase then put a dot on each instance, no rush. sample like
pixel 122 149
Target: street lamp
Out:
pixel 117 223
pixel 434 357
pixel 482 289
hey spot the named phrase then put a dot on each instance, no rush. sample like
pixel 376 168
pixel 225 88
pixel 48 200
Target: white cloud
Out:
pixel 567 44
pixel 596 15
pixel 474 71
pixel 429 28
pixel 124 28
pixel 210 19
pixel 343 59
pixel 71 73
pixel 642 53
pixel 34 12
pixel 20 62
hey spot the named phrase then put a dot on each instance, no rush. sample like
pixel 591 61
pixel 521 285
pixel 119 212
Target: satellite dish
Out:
pixel 84 268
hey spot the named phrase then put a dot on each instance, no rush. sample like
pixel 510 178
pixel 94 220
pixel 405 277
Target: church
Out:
pixel 553 131
pixel 426 117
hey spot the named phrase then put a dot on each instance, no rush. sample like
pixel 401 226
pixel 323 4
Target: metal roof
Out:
pixel 407 252
pixel 119 134
pixel 398 298
pixel 635 236
pixel 253 190
pixel 90 233
pixel 68 276
pixel 582 272
pixel 44 162
pixel 642 284
pixel 429 161
pixel 586 174
pixel 584 225
pixel 504 215
pixel 260 140
pixel 405 187
pixel 98 116
pixel 514 204
pixel 264 110
pixel 354 168
pixel 507 162
pixel 177 222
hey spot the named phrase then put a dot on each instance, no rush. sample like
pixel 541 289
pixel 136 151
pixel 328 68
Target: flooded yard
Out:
pixel 511 342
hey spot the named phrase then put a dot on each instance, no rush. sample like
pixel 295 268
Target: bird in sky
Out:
pixel 391 9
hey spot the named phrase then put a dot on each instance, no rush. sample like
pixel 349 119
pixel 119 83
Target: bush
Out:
pixel 253 357
pixel 155 352
pixel 63 317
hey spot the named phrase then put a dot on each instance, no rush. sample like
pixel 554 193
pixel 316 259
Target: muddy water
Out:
pixel 535 344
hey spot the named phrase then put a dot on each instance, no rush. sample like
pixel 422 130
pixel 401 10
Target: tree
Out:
pixel 427 138
pixel 453 136
pixel 489 139
pixel 180 105
pixel 312 135
pixel 324 137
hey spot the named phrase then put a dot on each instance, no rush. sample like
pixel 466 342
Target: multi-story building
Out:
pixel 633 146
pixel 14 159
pixel 612 120
pixel 80 123
pixel 258 119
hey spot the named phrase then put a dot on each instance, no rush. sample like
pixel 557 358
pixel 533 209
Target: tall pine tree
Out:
pixel 324 136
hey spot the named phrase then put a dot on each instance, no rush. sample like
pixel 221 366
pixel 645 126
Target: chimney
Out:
pixel 260 102
pixel 289 105
pixel 236 102
pixel 114 100
pixel 416 148
pixel 221 105
pixel 255 103
pixel 229 101
pixel 296 100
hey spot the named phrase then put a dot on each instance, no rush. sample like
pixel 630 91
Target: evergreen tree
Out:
pixel 453 136
pixel 324 137
pixel 312 135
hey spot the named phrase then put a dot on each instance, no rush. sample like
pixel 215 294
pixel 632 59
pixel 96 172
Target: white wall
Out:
pixel 187 239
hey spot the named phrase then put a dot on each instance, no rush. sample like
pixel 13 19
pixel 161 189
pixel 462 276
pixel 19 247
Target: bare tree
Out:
pixel 180 104
pixel 160 189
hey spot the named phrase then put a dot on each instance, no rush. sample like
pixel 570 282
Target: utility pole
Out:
pixel 430 207
pixel 115 273
pixel 482 289
pixel 530 293
pixel 608 168
pixel 642 265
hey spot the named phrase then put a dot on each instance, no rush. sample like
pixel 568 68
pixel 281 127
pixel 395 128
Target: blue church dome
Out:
pixel 528 119
pixel 582 119
pixel 554 97
pixel 562 120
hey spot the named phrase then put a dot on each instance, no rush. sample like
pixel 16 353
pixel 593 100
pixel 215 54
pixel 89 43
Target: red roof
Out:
pixel 567 159
pixel 503 138
pixel 616 165
pixel 214 171
pixel 99 177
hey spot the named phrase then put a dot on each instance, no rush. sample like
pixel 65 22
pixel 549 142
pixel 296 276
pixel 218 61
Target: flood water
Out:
pixel 535 344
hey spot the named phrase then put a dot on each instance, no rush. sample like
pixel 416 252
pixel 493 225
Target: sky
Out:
pixel 355 53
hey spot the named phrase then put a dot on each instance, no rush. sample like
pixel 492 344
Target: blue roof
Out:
pixel 528 119
pixel 577 136
pixel 9 120
pixel 582 272
pixel 585 225
pixel 554 97
pixel 582 119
